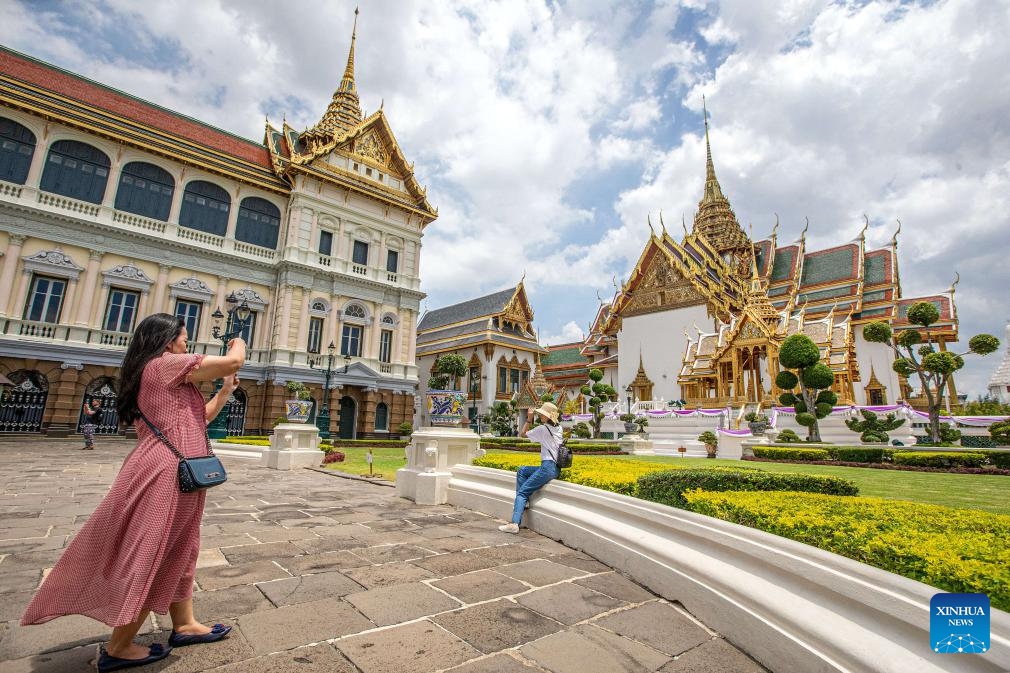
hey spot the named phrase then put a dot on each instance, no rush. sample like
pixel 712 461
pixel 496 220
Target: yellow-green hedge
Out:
pixel 609 474
pixel 958 550
pixel 245 440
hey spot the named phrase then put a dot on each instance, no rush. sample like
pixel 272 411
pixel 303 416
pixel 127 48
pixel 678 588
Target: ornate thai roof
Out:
pixel 564 364
pixel 1001 376
pixel 344 111
pixel 504 318
pixel 65 97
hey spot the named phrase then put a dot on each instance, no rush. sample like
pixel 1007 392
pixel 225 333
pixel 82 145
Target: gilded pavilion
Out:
pixel 701 319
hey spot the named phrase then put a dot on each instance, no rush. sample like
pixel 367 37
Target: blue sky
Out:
pixel 548 131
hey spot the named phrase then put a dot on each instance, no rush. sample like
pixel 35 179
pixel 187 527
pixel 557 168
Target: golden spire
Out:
pixel 715 219
pixel 344 111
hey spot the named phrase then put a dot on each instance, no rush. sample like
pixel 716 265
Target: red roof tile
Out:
pixel 42 75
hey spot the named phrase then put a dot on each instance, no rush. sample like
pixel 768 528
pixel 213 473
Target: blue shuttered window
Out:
pixel 145 189
pixel 17 145
pixel 205 208
pixel 259 222
pixel 76 170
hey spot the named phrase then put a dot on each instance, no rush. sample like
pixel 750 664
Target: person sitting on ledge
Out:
pixel 530 477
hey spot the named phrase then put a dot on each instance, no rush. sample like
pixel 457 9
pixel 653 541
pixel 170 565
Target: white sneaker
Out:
pixel 510 528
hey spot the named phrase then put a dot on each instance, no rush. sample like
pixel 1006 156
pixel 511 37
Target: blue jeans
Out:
pixel 528 480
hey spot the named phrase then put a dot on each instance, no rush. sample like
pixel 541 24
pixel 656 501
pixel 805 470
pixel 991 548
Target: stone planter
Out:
pixel 757 428
pixel 446 407
pixel 298 410
pixel 630 428
pixel 710 450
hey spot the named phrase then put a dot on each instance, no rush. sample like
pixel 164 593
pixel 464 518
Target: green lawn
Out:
pixel 974 491
pixel 386 460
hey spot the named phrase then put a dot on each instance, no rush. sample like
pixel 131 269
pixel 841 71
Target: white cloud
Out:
pixel 570 332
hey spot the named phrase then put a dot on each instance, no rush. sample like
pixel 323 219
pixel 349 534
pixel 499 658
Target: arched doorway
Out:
pixel 235 413
pixel 348 413
pixel 24 403
pixel 106 421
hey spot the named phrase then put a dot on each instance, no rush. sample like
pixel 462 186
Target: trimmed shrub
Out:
pixel 669 487
pixel 1000 459
pixel 333 457
pixel 608 474
pixel 941 459
pixel 788 436
pixel 852 454
pixel 957 550
pixel 772 453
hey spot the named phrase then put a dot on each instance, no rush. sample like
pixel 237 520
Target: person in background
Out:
pixel 137 552
pixel 530 477
pixel 91 414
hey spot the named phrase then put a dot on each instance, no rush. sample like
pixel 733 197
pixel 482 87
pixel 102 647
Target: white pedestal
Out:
pixel 731 446
pixel 430 454
pixel 292 446
pixel 636 445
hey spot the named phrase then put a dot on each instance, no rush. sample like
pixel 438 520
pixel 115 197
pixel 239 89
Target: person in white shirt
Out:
pixel 531 477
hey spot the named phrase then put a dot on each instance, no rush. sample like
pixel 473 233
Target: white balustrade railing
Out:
pixel 138 222
pixel 67 203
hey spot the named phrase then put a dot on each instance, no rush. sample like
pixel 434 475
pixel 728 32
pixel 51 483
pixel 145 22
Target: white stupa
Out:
pixel 999 384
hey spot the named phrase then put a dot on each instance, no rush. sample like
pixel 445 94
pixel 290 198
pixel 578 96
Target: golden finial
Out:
pixel 894 239
pixel 614 281
pixel 803 234
pixel 598 297
pixel 775 229
pixel 648 218
pixel 866 226
pixel 661 222
pixel 382 103
pixel 957 279
pixel 683 223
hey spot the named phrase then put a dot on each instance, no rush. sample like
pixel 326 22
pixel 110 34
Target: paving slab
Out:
pixel 258 551
pixel 480 586
pixel 495 626
pixel 307 588
pixel 319 545
pixel 389 574
pixel 58 634
pixel 32 560
pixel 715 656
pixel 497 663
pixel 455 563
pixel 225 604
pixel 321 658
pixel 569 603
pixel 658 625
pixel 540 572
pixel 395 552
pixel 220 577
pixel 616 586
pixel 295 625
pixel 420 647
pixel 74 659
pixel 26 580
pixel 321 563
pixel 451 543
pixel 12 605
pixel 281 534
pixel 401 603
pixel 588 649
pixel 508 553
pixel 588 565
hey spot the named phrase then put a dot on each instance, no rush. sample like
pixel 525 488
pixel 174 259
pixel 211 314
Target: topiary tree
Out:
pixel 788 436
pixel 814 378
pixel 932 367
pixel 874 428
pixel 597 394
pixel 581 430
pixel 448 368
pixel 1000 432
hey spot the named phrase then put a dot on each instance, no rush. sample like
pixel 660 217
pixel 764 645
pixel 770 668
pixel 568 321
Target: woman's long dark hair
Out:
pixel 150 339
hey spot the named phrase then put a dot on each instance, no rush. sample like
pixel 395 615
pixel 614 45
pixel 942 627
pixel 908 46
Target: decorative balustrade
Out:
pixel 359 269
pixel 325 260
pixel 10 189
pixel 138 222
pixel 67 203
pixel 200 237
pixel 255 250
pixel 385 368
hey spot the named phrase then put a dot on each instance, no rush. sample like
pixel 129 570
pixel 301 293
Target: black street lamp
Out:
pixel 238 318
pixel 474 386
pixel 629 390
pixel 323 417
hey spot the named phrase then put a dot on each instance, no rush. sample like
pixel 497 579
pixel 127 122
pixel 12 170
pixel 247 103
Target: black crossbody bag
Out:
pixel 194 473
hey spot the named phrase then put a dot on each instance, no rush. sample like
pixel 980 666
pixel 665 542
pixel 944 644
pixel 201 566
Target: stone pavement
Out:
pixel 324 574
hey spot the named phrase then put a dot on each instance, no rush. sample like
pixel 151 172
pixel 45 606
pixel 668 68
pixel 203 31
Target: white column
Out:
pixel 285 325
pixel 314 234
pixel 412 341
pixel 19 298
pixel 159 290
pixel 38 160
pixel 112 182
pixel 88 289
pixel 301 341
pixel 333 319
pixel 173 211
pixel 398 354
pixel 10 264
pixel 233 214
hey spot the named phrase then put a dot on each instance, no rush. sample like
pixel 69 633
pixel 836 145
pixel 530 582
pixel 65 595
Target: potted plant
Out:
pixel 757 423
pixel 405 430
pixel 710 441
pixel 641 422
pixel 629 423
pixel 299 406
pixel 445 404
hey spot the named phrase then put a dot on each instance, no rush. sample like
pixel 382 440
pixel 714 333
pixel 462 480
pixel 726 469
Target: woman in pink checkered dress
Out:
pixel 137 552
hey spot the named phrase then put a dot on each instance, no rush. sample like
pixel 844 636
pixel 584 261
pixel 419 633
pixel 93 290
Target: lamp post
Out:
pixel 323 417
pixel 238 318
pixel 629 390
pixel 474 384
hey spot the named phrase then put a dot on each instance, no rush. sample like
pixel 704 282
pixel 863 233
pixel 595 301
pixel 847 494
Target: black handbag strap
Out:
pixel 160 435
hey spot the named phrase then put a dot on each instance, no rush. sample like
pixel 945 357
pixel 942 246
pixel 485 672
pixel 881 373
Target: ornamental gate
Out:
pixel 106 421
pixel 23 404
pixel 234 413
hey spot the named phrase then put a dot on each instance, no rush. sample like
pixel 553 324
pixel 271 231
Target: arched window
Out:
pixel 145 189
pixel 17 145
pixel 259 222
pixel 354 311
pixel 381 416
pixel 205 208
pixel 76 170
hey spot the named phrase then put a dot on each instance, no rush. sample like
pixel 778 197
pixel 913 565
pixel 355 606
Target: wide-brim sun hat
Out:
pixel 549 410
